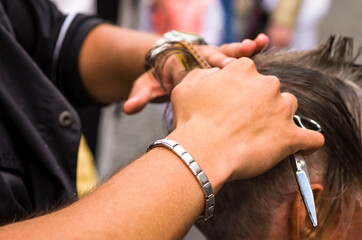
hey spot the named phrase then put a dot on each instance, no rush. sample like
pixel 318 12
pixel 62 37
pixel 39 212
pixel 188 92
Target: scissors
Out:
pixel 300 170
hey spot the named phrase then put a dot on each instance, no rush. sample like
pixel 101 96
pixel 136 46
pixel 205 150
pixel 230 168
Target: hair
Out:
pixel 327 82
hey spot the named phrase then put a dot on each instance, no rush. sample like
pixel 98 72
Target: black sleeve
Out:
pixel 37 24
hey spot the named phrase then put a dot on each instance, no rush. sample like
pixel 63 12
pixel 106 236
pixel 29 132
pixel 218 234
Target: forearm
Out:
pixel 111 59
pixel 156 197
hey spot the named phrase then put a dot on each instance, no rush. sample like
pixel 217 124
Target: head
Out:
pixel 327 83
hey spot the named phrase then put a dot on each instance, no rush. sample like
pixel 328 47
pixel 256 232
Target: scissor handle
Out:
pixel 307 123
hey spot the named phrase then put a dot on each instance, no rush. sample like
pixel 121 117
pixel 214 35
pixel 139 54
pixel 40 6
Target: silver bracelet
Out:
pixel 196 170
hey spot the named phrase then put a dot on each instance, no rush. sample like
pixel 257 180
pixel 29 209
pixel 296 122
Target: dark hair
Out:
pixel 327 83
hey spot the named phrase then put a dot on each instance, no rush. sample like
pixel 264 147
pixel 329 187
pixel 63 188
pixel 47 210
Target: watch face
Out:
pixel 182 36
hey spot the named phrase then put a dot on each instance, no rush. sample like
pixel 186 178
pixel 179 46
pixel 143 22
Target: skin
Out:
pixel 291 220
pixel 111 58
pixel 146 88
pixel 157 197
pixel 110 61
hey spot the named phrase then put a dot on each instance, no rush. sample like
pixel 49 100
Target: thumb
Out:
pixel 309 141
pixel 135 104
pixel 139 95
pixel 144 90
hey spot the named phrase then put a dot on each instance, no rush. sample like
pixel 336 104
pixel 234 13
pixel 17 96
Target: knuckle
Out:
pixel 286 107
pixel 273 82
pixel 215 58
pixel 289 103
pixel 197 72
pixel 192 74
pixel 290 98
pixel 245 65
pixel 248 63
pixel 177 91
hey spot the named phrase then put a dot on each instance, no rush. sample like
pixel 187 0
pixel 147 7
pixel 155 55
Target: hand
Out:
pixel 235 122
pixel 221 56
pixel 146 88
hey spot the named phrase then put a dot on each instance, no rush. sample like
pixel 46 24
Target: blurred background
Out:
pixel 344 18
pixel 116 139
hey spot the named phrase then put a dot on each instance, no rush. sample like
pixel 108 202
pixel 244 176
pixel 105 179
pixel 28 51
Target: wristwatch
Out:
pixel 175 36
pixel 172 38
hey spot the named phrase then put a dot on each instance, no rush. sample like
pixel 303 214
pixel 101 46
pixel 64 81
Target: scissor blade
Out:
pixel 307 195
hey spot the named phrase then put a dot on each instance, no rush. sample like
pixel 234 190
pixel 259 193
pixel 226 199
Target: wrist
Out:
pixel 195 168
pixel 215 167
pixel 172 38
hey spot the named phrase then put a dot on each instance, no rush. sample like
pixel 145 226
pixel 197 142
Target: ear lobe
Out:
pixel 300 222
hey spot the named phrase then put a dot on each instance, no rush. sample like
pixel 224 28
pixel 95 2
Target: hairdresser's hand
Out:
pixel 146 88
pixel 235 122
pixel 221 56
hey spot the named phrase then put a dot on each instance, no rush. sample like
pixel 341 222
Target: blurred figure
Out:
pixel 294 23
pixel 283 15
pixel 203 17
pixel 289 23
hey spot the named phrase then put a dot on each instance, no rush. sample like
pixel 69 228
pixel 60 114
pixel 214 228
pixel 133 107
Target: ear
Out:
pixel 300 222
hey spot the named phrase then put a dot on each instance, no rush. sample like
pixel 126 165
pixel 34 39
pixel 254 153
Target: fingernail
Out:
pixel 260 35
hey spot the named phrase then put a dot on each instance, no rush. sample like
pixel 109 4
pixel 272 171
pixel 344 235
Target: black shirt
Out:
pixel 39 129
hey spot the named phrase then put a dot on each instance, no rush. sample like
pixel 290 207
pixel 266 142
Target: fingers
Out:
pixel 144 90
pixel 138 98
pixel 227 53
pixel 214 56
pixel 261 42
pixel 244 49
pixel 308 140
pixel 147 89
pixel 137 102
pixel 134 105
pixel 291 101
pixel 242 66
pixel 220 57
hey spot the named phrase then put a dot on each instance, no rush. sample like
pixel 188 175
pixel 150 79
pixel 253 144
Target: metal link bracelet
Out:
pixel 196 170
